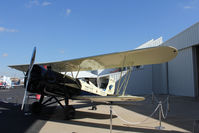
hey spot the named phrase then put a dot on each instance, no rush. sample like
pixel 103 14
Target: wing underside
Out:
pixel 155 55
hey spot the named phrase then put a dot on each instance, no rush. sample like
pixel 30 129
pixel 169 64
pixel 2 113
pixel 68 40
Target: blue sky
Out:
pixel 67 29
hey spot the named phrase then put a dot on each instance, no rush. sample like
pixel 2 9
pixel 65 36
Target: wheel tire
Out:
pixel 94 107
pixel 69 112
pixel 36 107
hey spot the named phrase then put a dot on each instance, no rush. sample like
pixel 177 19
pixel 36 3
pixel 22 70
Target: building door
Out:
pixel 196 69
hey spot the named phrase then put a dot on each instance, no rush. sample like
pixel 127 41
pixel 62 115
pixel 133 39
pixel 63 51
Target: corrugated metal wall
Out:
pixel 159 81
pixel 176 77
pixel 180 69
pixel 140 82
pixel 186 38
pixel 181 74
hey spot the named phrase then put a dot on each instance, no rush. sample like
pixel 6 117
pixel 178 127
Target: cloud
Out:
pixel 191 4
pixel 68 12
pixel 188 7
pixel 2 29
pixel 46 3
pixel 62 51
pixel 5 55
pixel 32 3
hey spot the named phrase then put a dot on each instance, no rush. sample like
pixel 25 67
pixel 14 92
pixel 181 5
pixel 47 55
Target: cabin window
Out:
pixel 92 80
pixel 140 67
pixel 104 82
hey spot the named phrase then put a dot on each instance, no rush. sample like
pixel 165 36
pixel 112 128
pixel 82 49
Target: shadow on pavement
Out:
pixel 13 120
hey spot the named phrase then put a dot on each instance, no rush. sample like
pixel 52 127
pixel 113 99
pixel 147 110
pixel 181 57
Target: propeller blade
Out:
pixel 32 58
pixel 28 77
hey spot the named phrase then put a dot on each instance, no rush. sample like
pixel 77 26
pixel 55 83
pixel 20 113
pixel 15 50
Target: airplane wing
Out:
pixel 109 98
pixel 154 55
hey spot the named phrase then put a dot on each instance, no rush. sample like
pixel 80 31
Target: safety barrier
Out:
pixel 159 108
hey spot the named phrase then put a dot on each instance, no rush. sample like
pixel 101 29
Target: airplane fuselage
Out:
pixel 47 82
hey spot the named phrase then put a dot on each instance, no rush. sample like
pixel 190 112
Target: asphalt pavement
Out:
pixel 13 120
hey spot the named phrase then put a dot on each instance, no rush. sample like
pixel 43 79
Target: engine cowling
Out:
pixel 48 82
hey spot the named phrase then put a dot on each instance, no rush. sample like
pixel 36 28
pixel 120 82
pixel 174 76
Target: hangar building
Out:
pixel 179 77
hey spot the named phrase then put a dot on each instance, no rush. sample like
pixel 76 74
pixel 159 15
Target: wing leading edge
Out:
pixel 154 55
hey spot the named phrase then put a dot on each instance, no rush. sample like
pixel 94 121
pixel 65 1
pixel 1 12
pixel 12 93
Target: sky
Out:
pixel 68 29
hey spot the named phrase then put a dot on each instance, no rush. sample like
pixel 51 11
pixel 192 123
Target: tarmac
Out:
pixel 128 117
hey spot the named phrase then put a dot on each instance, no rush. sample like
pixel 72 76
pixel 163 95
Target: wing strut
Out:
pixel 79 68
pixel 78 71
pixel 118 86
pixel 72 74
pixel 119 89
pixel 127 81
pixel 76 74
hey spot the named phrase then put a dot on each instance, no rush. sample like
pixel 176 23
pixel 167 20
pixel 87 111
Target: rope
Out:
pixel 166 100
pixel 136 123
pixel 150 116
pixel 156 99
pixel 165 115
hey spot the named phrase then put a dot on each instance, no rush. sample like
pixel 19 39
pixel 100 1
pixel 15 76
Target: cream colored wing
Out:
pixel 109 98
pixel 155 55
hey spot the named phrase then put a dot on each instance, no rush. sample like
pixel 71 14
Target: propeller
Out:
pixel 28 77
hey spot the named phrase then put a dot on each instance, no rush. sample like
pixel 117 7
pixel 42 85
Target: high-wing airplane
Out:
pixel 51 83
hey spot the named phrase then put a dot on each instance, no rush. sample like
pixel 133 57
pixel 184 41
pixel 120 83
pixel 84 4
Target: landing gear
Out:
pixel 36 107
pixel 94 107
pixel 69 112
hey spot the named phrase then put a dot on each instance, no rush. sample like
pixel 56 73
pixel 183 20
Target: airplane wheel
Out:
pixel 69 112
pixel 94 107
pixel 36 107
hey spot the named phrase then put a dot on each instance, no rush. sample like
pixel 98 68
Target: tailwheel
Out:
pixel 69 112
pixel 36 107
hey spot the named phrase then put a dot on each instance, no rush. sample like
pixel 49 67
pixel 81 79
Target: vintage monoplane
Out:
pixel 55 85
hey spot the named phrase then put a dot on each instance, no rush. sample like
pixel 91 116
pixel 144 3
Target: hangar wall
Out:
pixel 186 38
pixel 180 70
pixel 176 77
pixel 181 74
pixel 159 79
pixel 140 82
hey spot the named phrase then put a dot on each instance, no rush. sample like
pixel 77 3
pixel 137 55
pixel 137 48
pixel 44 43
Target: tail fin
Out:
pixel 110 89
